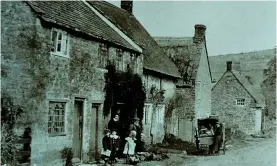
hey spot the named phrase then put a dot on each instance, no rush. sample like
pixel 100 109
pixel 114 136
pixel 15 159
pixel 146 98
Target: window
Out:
pixel 56 118
pixel 240 101
pixel 60 42
pixel 145 81
pixel 146 113
pixel 103 55
pixel 119 60
pixel 134 63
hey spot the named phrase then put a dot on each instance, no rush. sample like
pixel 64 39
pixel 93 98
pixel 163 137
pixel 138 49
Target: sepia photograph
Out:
pixel 132 82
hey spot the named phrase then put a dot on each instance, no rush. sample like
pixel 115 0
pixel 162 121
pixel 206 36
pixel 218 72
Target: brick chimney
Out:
pixel 229 65
pixel 199 33
pixel 127 5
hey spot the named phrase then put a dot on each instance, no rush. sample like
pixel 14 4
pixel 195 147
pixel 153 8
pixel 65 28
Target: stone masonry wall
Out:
pixel 224 104
pixel 203 86
pixel 33 77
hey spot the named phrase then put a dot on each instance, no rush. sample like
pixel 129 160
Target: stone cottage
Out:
pixel 193 91
pixel 237 102
pixel 53 61
pixel 160 74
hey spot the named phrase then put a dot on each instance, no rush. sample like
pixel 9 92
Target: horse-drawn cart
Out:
pixel 205 137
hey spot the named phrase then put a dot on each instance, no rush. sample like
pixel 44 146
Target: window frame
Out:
pixel 119 60
pixel 103 53
pixel 146 113
pixel 240 101
pixel 53 114
pixel 134 62
pixel 64 43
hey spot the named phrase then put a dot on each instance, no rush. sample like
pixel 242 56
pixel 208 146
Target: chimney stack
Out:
pixel 229 65
pixel 199 33
pixel 127 5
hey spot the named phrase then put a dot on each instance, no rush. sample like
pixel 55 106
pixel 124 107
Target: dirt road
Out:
pixel 257 153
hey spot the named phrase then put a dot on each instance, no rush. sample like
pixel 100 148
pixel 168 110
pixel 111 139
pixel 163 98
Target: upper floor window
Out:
pixel 119 60
pixel 60 42
pixel 240 101
pixel 103 55
pixel 145 81
pixel 134 62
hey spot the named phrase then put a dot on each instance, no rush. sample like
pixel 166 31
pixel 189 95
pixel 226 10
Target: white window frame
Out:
pixel 158 109
pixel 134 62
pixel 64 48
pixel 53 116
pixel 147 117
pixel 103 58
pixel 240 101
pixel 145 81
pixel 119 60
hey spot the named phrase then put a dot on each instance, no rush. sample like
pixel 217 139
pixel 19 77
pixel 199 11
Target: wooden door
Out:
pixel 185 129
pixel 95 134
pixel 78 129
pixel 258 120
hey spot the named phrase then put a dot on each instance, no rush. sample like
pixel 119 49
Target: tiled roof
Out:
pixel 155 59
pixel 77 16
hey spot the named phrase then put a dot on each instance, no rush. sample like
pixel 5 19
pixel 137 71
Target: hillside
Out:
pixel 251 64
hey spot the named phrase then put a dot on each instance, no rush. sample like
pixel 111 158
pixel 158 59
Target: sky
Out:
pixel 232 27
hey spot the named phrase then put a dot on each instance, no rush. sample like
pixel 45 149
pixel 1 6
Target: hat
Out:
pixel 136 119
pixel 114 130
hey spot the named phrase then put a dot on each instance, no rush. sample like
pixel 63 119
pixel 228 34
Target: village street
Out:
pixel 258 152
pixel 255 154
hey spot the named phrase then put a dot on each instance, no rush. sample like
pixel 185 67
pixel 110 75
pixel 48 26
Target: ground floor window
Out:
pixel 56 118
pixel 240 101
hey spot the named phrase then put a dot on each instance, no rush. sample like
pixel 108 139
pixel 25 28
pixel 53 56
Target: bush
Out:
pixel 66 153
pixel 8 146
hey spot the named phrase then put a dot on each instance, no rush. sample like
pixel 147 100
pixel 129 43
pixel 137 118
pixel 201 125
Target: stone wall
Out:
pixel 33 77
pixel 224 104
pixel 203 86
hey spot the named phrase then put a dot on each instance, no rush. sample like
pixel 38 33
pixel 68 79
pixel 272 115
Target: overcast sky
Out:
pixel 232 27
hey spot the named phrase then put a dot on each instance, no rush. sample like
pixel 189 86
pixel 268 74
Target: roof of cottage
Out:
pixel 183 47
pixel 77 16
pixel 255 93
pixel 155 58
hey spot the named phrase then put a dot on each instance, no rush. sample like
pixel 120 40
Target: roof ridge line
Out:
pixel 114 27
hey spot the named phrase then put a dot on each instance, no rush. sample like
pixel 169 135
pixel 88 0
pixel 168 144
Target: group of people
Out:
pixel 114 146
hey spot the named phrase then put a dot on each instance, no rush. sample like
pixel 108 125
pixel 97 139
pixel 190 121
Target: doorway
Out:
pixel 258 120
pixel 78 128
pixel 95 133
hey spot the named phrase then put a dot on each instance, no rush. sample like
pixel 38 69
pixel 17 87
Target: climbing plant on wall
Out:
pixel 126 88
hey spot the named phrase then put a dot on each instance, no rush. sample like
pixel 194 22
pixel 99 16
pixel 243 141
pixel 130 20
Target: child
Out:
pixel 106 142
pixel 114 144
pixel 129 149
